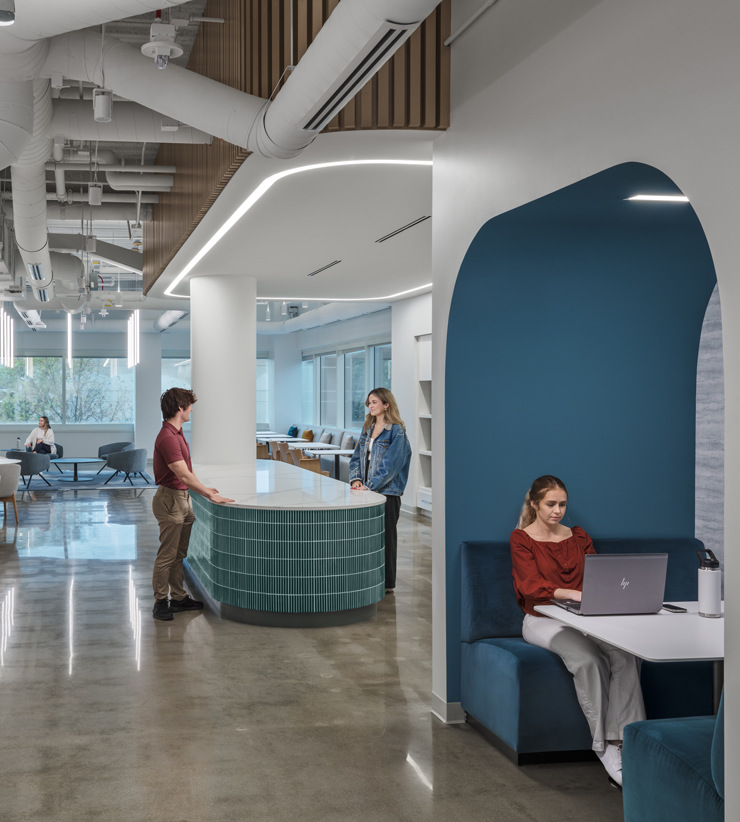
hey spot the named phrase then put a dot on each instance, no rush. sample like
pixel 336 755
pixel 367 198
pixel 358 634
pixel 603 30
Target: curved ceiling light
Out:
pixel 256 195
pixel 348 299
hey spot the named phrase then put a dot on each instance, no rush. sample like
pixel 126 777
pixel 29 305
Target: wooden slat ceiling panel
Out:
pixel 251 52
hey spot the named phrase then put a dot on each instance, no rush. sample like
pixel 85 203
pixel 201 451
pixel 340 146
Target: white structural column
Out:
pixel 223 348
pixel 148 392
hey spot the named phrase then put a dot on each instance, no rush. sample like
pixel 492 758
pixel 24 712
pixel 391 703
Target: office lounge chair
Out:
pixel 113 448
pixel 9 477
pixel 131 462
pixel 31 464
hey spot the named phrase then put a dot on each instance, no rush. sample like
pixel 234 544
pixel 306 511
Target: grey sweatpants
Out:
pixel 607 679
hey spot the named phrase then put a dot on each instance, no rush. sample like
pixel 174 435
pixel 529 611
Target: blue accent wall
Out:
pixel 572 350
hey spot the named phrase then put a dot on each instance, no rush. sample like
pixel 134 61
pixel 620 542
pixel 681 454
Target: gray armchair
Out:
pixel 113 448
pixel 31 464
pixel 131 461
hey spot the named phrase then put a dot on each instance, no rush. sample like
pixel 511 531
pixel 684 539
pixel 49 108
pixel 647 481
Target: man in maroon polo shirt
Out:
pixel 173 473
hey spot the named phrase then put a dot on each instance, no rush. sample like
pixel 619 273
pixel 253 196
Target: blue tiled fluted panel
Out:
pixel 289 561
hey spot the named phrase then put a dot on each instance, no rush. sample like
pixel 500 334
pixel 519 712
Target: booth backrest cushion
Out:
pixel 489 606
pixel 488 602
pixel 718 750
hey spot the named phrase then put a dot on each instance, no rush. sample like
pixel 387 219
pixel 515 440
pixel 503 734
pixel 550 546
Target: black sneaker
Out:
pixel 162 610
pixel 186 604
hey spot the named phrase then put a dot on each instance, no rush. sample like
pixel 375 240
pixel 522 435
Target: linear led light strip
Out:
pixel 69 341
pixel 660 198
pixel 133 339
pixel 7 343
pixel 257 195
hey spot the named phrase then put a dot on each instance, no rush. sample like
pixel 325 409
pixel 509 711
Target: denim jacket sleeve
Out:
pixel 355 463
pixel 396 458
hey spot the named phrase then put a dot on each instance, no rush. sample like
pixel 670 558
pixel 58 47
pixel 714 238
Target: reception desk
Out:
pixel 294 549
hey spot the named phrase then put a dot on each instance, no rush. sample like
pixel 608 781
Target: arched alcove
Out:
pixel 572 350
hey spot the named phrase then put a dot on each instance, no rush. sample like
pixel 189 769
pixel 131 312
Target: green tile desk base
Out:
pixel 309 568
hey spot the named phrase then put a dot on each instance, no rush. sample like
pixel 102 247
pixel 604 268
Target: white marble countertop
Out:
pixel 277 485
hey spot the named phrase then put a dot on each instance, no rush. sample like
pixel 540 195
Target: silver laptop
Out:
pixel 616 584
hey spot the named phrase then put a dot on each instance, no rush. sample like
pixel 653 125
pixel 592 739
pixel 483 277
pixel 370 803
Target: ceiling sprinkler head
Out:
pixel 161 45
pixel 162 61
pixel 103 312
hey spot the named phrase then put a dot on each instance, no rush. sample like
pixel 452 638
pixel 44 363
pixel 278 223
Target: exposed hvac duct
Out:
pixel 178 93
pixel 28 176
pixel 16 120
pixel 168 319
pixel 131 181
pixel 354 43
pixel 131 123
pixel 108 197
pixel 39 19
pixel 30 317
pixel 323 315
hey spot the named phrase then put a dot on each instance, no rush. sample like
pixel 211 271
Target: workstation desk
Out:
pixel 295 548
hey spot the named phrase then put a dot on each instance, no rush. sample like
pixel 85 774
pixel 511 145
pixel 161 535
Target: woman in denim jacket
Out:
pixel 381 464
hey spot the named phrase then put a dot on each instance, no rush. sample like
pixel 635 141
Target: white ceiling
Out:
pixel 310 219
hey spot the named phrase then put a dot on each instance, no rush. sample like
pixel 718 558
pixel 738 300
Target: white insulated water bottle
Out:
pixel 710 585
pixel 18 443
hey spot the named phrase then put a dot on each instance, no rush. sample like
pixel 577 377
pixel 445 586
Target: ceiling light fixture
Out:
pixel 660 198
pixel 355 299
pixel 7 353
pixel 7 12
pixel 69 341
pixel 257 195
pixel 284 309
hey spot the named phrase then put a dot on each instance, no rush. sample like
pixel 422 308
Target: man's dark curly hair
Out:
pixel 174 399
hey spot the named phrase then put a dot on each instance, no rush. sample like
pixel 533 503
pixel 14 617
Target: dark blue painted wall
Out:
pixel 572 349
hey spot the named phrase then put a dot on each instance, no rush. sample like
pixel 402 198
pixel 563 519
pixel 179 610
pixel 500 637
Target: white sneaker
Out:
pixel 611 759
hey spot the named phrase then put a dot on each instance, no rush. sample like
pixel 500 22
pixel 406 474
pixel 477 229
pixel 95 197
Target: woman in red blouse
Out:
pixel 548 560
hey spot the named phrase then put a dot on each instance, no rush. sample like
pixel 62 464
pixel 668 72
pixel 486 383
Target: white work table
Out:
pixel 661 637
pixel 276 485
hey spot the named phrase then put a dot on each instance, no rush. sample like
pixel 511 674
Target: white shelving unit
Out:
pixel 424 422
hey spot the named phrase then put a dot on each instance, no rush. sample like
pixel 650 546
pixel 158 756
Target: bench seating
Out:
pixel 521 697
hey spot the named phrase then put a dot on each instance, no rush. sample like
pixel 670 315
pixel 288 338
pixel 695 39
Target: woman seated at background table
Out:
pixel 41 439
pixel 548 560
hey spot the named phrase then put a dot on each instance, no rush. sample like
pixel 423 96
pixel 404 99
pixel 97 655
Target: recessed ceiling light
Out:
pixel 660 198
pixel 257 195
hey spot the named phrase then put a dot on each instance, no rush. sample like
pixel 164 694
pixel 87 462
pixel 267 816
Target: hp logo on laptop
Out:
pixel 624 583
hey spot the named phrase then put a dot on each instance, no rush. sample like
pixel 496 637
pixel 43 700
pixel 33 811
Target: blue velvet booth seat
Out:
pixel 674 770
pixel 522 697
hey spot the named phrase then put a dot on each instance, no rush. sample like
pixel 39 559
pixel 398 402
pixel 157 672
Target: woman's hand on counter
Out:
pixel 359 487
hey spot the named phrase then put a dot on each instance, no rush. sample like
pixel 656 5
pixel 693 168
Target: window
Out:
pixel 307 391
pixel 32 388
pixel 175 373
pixel 328 389
pixel 263 391
pixel 94 390
pixel 342 379
pixel 354 388
pixel 99 390
pixel 382 366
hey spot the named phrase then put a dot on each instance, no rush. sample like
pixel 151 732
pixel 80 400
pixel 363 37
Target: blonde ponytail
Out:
pixel 534 496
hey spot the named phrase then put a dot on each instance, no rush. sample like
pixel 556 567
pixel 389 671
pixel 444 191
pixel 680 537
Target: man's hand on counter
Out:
pixel 213 496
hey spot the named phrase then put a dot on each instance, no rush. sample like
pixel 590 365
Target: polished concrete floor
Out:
pixel 110 716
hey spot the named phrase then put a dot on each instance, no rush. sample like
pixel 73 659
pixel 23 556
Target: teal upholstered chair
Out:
pixel 673 770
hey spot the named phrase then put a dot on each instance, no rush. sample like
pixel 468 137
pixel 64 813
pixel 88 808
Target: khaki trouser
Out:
pixel 607 679
pixel 174 512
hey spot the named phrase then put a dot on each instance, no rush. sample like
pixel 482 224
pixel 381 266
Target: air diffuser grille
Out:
pixel 381 47
pixel 402 228
pixel 318 270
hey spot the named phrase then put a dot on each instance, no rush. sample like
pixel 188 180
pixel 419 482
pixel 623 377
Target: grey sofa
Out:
pixel 31 464
pixel 131 461
pixel 113 448
pixel 337 436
